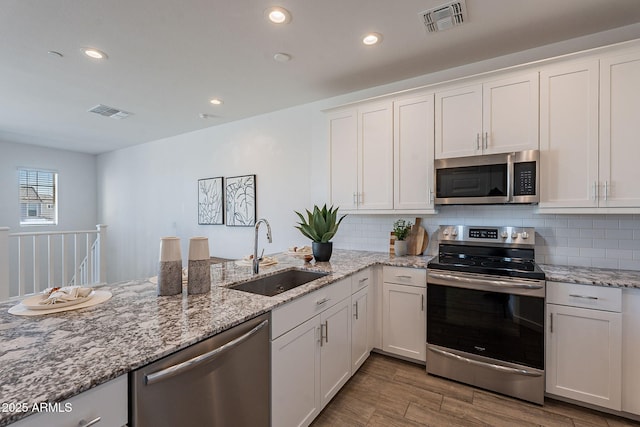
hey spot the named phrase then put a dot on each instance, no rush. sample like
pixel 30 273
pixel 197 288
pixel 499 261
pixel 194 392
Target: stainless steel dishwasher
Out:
pixel 224 380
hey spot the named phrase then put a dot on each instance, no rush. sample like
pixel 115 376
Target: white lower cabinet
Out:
pixel 311 353
pixel 631 351
pixel 404 316
pixel 584 343
pixel 105 405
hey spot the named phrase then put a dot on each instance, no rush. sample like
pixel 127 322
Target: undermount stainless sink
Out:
pixel 278 283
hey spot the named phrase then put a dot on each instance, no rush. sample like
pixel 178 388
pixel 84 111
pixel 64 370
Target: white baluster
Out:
pixel 102 253
pixel 4 263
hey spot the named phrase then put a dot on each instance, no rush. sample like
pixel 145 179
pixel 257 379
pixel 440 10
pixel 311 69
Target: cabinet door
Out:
pixel 619 130
pixel 584 355
pixel 335 349
pixel 510 114
pixel 569 135
pixel 360 328
pixel 404 324
pixel 413 146
pixel 295 375
pixel 631 351
pixel 375 167
pixel 458 123
pixel 343 144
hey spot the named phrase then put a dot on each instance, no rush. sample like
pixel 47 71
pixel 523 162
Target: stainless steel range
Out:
pixel 485 310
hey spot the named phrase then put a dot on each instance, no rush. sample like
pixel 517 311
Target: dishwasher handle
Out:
pixel 203 358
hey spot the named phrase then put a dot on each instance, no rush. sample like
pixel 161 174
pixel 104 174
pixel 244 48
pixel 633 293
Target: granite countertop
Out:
pixel 53 357
pixel 592 276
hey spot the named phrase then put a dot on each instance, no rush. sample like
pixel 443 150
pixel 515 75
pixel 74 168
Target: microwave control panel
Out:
pixel 525 179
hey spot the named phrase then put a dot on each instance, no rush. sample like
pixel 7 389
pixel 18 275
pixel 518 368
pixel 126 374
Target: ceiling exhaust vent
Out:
pixel 105 110
pixel 445 16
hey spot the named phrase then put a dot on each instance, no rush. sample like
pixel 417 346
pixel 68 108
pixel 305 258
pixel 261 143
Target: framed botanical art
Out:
pixel 240 198
pixel 211 201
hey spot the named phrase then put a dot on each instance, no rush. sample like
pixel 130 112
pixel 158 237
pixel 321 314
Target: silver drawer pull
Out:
pixel 403 277
pixel 322 301
pixel 582 296
pixel 94 421
pixel 361 281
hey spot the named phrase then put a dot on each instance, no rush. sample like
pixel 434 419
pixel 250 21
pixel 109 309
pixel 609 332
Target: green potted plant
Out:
pixel 401 229
pixel 320 226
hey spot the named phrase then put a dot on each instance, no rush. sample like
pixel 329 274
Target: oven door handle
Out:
pixel 490 282
pixel 493 366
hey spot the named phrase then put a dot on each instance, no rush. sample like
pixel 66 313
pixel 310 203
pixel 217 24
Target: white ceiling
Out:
pixel 167 58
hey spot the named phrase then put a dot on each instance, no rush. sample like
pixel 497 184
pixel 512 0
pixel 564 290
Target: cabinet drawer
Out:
pixel 107 401
pixel 295 312
pixel 360 280
pixel 586 296
pixel 405 276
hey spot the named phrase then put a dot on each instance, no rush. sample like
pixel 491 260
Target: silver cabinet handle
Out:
pixel 595 190
pixel 322 301
pixel 477 141
pixel 321 333
pixel 431 195
pixel 422 302
pixel 403 277
pixel 486 140
pixel 493 366
pixel 94 421
pixel 171 371
pixel 355 201
pixel 551 323
pixel 582 296
pixel 361 281
pixel 606 189
pixel 326 332
pixel 356 311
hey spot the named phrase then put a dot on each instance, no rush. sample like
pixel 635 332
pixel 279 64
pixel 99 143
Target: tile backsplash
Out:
pixel 607 241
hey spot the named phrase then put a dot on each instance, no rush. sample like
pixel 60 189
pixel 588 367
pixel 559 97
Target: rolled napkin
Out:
pixel 64 294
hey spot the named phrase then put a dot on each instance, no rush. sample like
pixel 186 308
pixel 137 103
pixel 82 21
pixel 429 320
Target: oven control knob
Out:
pixel 504 234
pixel 514 235
pixel 524 235
pixel 445 232
pixel 454 232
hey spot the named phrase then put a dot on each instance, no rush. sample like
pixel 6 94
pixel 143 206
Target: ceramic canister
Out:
pixel 199 273
pixel 170 269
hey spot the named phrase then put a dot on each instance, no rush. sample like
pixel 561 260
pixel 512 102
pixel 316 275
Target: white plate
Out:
pixel 33 303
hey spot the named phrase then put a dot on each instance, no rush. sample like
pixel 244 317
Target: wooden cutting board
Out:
pixel 418 239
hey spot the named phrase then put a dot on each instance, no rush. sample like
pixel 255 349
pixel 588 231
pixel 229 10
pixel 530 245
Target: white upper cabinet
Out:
pixel 375 167
pixel 413 152
pixel 589 130
pixel 361 145
pixel 493 117
pixel 569 135
pixel 343 143
pixel 620 131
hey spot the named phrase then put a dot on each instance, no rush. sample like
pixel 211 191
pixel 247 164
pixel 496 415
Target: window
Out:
pixel 38 197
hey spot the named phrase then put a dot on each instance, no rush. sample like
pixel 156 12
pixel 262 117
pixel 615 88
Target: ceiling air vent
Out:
pixel 445 16
pixel 105 110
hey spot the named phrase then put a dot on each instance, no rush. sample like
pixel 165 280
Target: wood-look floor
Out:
pixel 387 392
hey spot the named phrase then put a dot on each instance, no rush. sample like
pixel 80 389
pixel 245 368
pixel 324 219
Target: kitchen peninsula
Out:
pixel 54 357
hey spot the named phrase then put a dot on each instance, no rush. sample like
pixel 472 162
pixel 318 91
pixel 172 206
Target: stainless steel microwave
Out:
pixel 488 179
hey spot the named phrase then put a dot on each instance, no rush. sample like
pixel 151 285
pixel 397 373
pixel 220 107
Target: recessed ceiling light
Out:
pixel 216 101
pixel 372 38
pixel 94 53
pixel 282 57
pixel 278 15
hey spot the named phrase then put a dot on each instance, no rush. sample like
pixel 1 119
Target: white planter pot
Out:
pixel 400 247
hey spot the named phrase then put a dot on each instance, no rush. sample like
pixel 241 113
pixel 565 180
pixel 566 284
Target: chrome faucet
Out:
pixel 256 260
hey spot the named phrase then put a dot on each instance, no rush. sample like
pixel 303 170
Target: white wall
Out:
pixel 149 191
pixel 77 198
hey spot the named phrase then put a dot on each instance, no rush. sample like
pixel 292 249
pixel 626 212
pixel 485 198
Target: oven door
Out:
pixel 487 331
pixel 503 324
